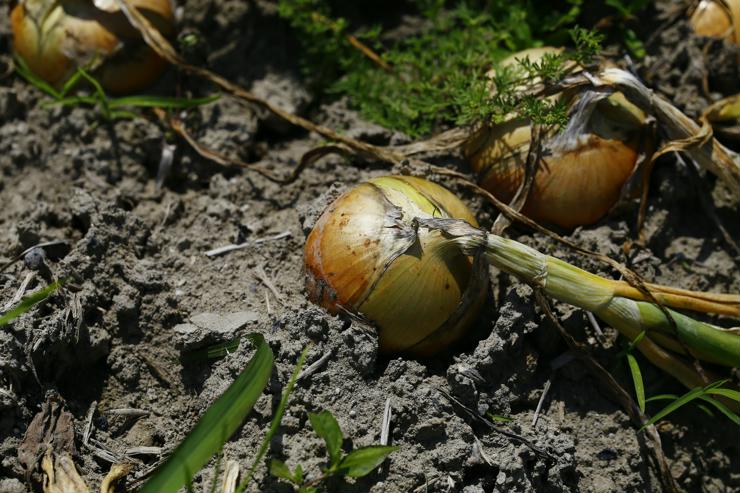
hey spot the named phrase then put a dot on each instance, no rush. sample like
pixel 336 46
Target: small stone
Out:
pixel 35 258
pixel 211 328
pixel 224 323
pixel 11 485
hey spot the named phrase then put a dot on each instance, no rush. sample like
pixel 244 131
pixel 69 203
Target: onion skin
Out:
pixel 361 259
pixel 713 20
pixel 54 38
pixel 575 184
pixel 570 189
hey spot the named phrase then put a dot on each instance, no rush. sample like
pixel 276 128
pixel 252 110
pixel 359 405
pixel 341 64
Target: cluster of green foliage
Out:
pixel 355 464
pixel 706 395
pixel 438 76
pixel 227 413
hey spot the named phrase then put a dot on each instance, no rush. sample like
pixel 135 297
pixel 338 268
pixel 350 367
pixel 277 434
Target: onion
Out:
pixel 712 18
pixel 364 257
pixel 55 37
pixel 583 169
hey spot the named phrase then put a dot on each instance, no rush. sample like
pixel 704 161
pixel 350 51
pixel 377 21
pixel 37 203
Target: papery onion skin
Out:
pixel 713 20
pixel 575 185
pixel 54 38
pixel 361 259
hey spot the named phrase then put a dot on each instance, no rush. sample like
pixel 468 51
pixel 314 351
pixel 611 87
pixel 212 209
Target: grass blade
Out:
pixel 662 397
pixel 148 101
pixel 722 408
pixel 684 399
pixel 696 393
pixel 218 423
pixel 22 68
pixel 276 419
pixel 729 393
pixel 29 301
pixel 637 381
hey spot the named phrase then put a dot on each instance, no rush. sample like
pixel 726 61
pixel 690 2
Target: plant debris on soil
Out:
pixel 116 351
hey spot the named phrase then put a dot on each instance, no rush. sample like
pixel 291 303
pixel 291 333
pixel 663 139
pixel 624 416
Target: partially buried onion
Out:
pixel 55 37
pixel 363 258
pixel 716 18
pixel 583 169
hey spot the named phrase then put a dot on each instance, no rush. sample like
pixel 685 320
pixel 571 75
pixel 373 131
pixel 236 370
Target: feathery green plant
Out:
pixel 438 76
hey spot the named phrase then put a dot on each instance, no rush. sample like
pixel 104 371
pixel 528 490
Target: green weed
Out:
pixel 354 464
pixel 110 108
pixel 29 302
pixel 437 77
pixel 705 394
pixel 218 423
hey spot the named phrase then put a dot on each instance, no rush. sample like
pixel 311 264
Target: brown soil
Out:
pixel 136 252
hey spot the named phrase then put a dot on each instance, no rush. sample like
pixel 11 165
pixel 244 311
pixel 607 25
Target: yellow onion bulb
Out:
pixel 579 178
pixel 55 37
pixel 364 258
pixel 712 18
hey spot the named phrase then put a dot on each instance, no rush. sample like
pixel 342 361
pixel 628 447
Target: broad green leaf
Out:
pixel 218 423
pixel 723 409
pixel 326 426
pixel 276 419
pixel 280 470
pixel 29 301
pixel 361 461
pixel 298 474
pixel 637 381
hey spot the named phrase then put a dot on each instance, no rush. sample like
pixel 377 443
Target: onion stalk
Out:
pixel 570 284
pixel 400 253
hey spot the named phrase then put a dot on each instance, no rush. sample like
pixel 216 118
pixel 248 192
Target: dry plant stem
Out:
pixel 368 52
pixel 640 290
pixel 306 160
pixel 723 304
pixel 688 136
pixel 620 395
pixel 531 166
pixel 164 49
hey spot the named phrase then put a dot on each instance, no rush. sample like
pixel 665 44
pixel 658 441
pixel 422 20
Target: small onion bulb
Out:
pixel 55 37
pixel 713 19
pixel 582 171
pixel 364 258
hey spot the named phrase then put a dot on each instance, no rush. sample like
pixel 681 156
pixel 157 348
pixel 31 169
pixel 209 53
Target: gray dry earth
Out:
pixel 146 292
